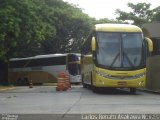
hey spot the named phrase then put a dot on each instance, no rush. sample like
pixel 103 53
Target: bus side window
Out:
pixel 88 45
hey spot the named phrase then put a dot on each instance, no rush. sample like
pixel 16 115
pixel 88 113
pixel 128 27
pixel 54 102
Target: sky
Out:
pixel 106 8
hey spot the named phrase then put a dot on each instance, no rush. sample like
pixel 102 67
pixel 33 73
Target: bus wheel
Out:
pixel 84 85
pixel 132 90
pixel 19 82
pixel 94 89
pixel 22 81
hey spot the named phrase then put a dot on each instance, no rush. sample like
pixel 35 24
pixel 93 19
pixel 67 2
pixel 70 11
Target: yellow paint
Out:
pixel 150 44
pixel 7 88
pixel 110 82
pixel 117 28
pixel 35 76
pixel 129 78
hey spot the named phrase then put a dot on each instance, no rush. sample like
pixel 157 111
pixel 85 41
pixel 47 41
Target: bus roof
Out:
pixel 117 28
pixel 39 56
pixel 44 56
pixel 77 54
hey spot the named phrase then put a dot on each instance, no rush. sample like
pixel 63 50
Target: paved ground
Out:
pixel 44 101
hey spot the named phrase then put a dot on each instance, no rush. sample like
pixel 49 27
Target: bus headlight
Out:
pixel 103 74
pixel 141 83
pixel 121 77
pixel 139 75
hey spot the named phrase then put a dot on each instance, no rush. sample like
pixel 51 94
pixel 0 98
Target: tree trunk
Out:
pixel 4 73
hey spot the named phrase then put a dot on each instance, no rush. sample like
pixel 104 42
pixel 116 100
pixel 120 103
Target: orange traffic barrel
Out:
pixel 61 83
pixel 68 81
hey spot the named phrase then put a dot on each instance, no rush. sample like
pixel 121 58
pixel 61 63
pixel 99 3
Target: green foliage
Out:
pixel 140 13
pixel 20 26
pixel 156 16
pixel 31 27
pixel 71 24
pixel 106 20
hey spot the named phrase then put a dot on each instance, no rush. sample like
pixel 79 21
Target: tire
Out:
pixel 22 82
pixel 94 89
pixel 132 90
pixel 84 85
pixel 19 82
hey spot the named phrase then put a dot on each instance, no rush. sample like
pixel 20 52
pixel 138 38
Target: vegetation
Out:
pixel 140 14
pixel 41 27
pixel 31 27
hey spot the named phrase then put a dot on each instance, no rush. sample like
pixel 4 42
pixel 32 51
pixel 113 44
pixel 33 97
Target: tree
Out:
pixel 156 16
pixel 71 25
pixel 21 26
pixel 106 20
pixel 140 13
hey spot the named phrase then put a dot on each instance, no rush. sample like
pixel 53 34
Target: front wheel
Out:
pixel 95 89
pixel 84 85
pixel 132 90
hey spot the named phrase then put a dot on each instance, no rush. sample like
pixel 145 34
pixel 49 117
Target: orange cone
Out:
pixel 30 84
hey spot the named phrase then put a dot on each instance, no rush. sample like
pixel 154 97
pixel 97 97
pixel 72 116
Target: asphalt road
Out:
pixel 44 102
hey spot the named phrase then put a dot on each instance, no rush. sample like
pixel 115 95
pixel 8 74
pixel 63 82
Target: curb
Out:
pixel 10 88
pixel 149 91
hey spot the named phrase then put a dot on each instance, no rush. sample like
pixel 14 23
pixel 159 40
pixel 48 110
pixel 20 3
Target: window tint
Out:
pixel 38 62
pixel 86 49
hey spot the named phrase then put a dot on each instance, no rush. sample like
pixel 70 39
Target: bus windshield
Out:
pixel 120 50
pixel 74 69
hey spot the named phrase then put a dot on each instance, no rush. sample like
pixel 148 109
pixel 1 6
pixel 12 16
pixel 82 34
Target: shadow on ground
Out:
pixel 114 91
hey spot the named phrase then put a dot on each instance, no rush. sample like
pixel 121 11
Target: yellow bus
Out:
pixel 44 68
pixel 114 55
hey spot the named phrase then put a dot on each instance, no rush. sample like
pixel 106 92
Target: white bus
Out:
pixel 44 68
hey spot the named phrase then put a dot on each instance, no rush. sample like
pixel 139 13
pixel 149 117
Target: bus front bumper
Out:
pixel 132 83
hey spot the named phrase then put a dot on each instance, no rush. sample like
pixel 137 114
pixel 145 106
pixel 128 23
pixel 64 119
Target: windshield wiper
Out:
pixel 125 54
pixel 114 60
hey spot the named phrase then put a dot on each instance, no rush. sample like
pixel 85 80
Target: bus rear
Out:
pixel 74 68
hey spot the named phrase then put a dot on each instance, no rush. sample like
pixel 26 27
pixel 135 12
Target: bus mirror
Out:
pixel 93 44
pixel 150 44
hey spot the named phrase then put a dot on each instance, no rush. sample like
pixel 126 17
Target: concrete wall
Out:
pixel 153 73
pixel 153 62
pixel 151 30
